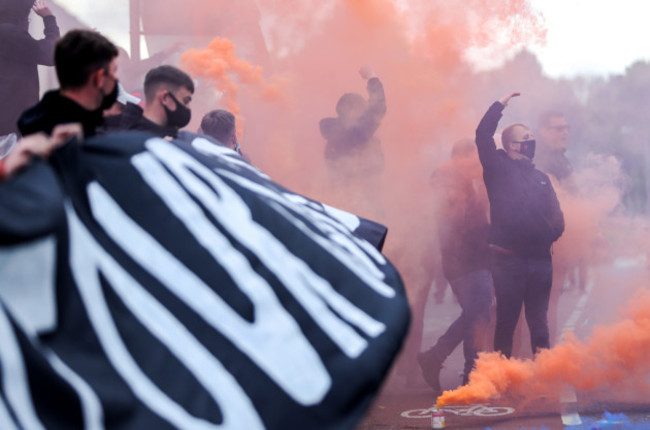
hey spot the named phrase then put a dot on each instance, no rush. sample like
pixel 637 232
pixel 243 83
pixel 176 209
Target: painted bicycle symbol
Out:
pixel 477 410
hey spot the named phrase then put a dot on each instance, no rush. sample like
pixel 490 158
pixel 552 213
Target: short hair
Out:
pixel 171 76
pixel 544 118
pixel 219 124
pixel 79 54
pixel 506 134
pixel 350 102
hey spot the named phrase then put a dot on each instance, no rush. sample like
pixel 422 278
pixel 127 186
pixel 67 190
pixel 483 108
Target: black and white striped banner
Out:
pixel 175 286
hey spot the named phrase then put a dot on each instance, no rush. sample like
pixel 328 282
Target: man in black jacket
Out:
pixel 20 54
pixel 86 68
pixel 353 154
pixel 168 93
pixel 463 228
pixel 525 221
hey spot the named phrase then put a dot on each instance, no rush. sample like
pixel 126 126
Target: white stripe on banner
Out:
pixel 87 260
pixel 28 283
pixel 6 422
pixel 273 340
pixel 14 377
pixel 345 247
pixel 314 293
pixel 91 407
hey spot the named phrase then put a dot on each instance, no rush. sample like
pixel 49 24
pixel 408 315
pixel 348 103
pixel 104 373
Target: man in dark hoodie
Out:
pixel 525 221
pixel 86 67
pixel 168 93
pixel 353 153
pixel 20 54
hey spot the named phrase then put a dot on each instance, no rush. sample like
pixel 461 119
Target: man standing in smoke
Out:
pixel 20 54
pixel 353 154
pixel 463 234
pixel 525 221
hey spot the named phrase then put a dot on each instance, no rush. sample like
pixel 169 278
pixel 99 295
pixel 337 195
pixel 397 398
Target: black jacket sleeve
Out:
pixel 487 148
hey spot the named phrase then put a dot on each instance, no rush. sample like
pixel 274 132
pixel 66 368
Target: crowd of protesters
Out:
pixel 509 257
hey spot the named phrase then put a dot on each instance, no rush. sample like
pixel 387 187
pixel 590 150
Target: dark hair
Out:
pixel 79 54
pixel 545 117
pixel 219 124
pixel 166 75
pixel 506 134
pixel 350 102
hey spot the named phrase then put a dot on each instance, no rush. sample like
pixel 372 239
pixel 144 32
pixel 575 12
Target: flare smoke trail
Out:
pixel 613 358
pixel 220 65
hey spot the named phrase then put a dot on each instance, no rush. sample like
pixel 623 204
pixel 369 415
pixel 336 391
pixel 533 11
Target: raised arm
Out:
pixel 487 148
pixel 35 51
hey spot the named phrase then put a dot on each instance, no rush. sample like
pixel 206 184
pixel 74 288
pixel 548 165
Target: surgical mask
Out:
pixel 179 117
pixel 110 98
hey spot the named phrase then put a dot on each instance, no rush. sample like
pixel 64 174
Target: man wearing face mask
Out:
pixel 168 92
pixel 85 63
pixel 525 221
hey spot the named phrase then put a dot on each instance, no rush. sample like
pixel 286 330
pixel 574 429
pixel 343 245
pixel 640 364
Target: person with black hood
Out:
pixel 353 154
pixel 86 68
pixel 525 220
pixel 168 93
pixel 20 54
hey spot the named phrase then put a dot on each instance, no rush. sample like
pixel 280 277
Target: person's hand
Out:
pixel 39 145
pixel 41 9
pixel 62 134
pixel 505 99
pixel 367 72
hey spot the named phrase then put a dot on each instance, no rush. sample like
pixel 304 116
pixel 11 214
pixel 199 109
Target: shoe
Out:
pixel 430 365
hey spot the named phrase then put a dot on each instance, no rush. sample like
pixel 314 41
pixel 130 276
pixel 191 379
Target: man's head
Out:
pixel 553 130
pixel 351 106
pixel 220 124
pixel 85 63
pixel 168 92
pixel 518 142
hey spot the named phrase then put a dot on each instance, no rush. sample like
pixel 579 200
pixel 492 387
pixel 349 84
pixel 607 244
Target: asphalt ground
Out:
pixel 405 401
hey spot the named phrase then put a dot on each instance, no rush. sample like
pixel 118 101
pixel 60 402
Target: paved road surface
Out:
pixel 403 405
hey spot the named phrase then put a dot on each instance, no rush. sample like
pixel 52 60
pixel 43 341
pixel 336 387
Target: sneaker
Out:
pixel 430 365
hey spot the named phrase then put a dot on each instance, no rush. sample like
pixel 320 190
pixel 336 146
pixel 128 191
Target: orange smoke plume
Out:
pixel 219 64
pixel 614 358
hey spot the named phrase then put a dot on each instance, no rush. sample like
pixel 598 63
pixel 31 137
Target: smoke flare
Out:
pixel 613 358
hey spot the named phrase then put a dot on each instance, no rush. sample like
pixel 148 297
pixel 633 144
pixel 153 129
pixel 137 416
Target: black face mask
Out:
pixel 179 117
pixel 110 98
pixel 528 148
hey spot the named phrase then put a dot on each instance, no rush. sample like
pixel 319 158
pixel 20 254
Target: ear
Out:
pixel 97 78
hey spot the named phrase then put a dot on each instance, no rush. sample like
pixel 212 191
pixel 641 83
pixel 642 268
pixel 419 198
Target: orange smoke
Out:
pixel 219 65
pixel 614 358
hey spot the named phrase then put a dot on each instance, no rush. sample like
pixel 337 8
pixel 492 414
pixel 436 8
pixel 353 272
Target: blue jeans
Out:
pixel 521 281
pixel 474 294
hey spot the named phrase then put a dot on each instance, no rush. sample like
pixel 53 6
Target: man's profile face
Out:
pixel 519 134
pixel 184 97
pixel 555 133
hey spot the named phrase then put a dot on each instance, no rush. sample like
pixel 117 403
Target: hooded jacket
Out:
pixel 54 109
pixel 525 213
pixel 20 54
pixel 132 119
